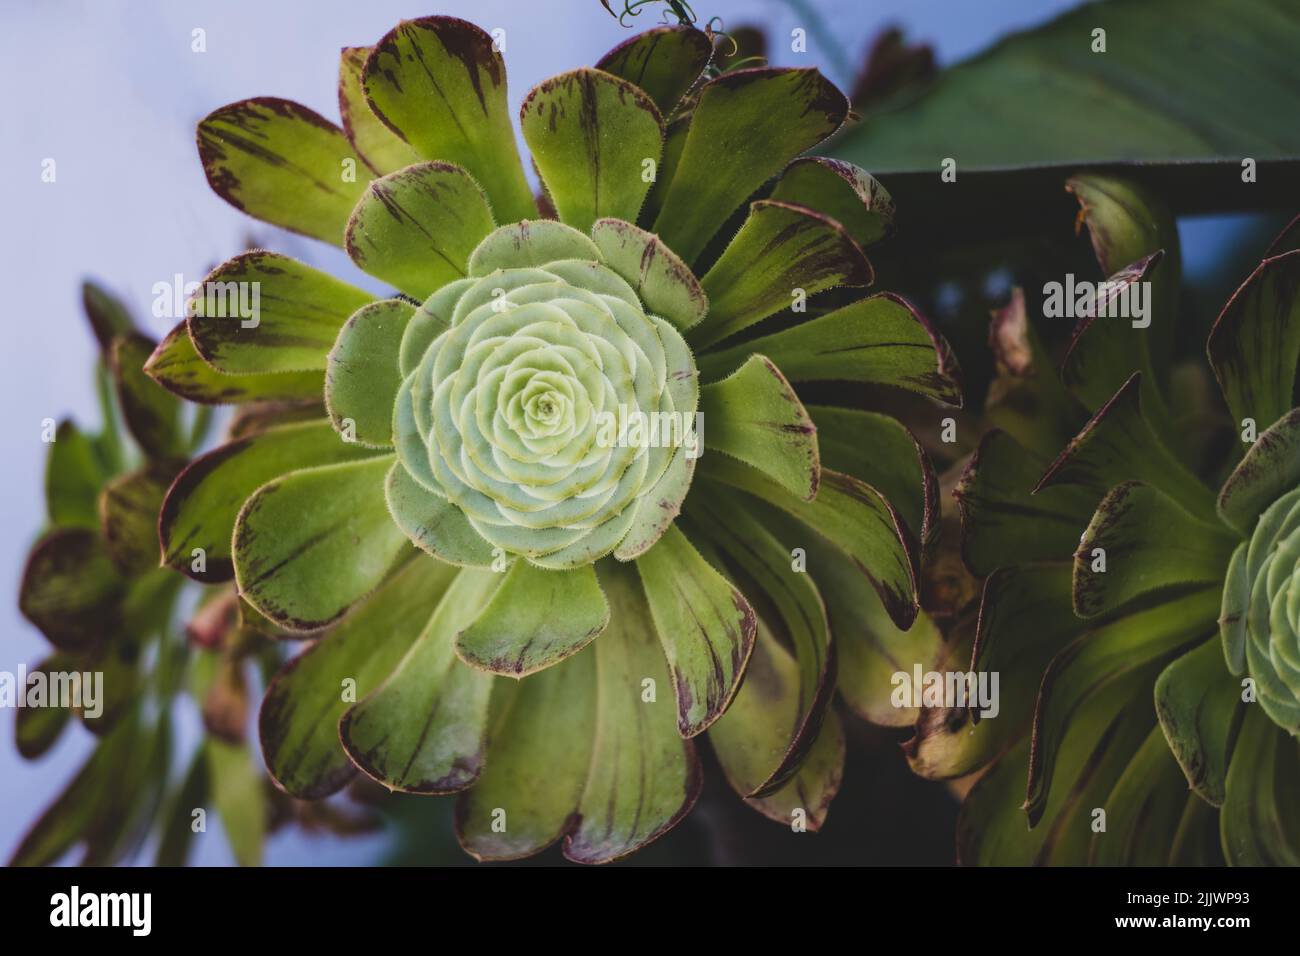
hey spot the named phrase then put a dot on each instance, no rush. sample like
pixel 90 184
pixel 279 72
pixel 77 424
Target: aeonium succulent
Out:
pixel 472 491
pixel 1144 626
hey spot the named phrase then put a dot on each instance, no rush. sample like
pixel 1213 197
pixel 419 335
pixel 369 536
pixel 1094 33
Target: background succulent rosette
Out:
pixel 434 511
pixel 1144 627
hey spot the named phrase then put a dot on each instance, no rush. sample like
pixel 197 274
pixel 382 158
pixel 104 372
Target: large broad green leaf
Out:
pixel 879 340
pixel 74 473
pixel 262 312
pixel 591 135
pixel 1043 96
pixel 854 517
pixel 382 149
pixel 1025 618
pixel 1270 468
pixel 782 254
pixel 1150 544
pixel 806 797
pixel 309 545
pixel 534 620
pixel 705 625
pixel 1118 444
pixel 201 506
pixel 750 123
pixel 778 712
pixel 1198 705
pixel 1144 809
pixel 300 713
pixel 417 227
pixel 152 414
pixel 284 164
pixel 847 193
pixel 1255 343
pixel 664 62
pixel 363 374
pixel 176 365
pixel 1004 521
pixel 663 283
pixel 440 84
pixel 755 416
pixel 424 729
pixel 1127 653
pixel 587 750
pixel 1260 820
pixel 70 589
pixel 880 450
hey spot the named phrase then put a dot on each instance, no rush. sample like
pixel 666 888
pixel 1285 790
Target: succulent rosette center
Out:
pixel 1263 593
pixel 517 412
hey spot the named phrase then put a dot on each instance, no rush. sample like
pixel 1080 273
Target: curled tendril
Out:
pixel 632 8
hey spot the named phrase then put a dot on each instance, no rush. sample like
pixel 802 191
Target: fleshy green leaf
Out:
pixel 1025 618
pixel 128 513
pixel 664 284
pixel 769 730
pixel 705 625
pixel 416 228
pixel 382 149
pixel 1143 810
pixel 1118 445
pixel 536 619
pixel 1270 468
pixel 780 251
pixel 879 340
pixel 440 84
pixel 1134 526
pixel 1127 653
pixel 844 192
pixel 664 62
pixel 806 797
pixel 881 451
pixel 534 243
pixel 284 164
pixel 590 134
pixel 424 729
pixel 1255 343
pixel 107 315
pixel 201 506
pixel 36 729
pixel 1232 616
pixel 294 314
pixel 300 714
pixel 854 517
pixel 433 523
pixel 755 416
pixel 176 366
pixel 312 543
pixel 74 474
pixel 1260 821
pixel 362 374
pixel 750 123
pixel 1197 703
pixel 70 589
pixel 152 414
pixel 1004 521
pixel 587 750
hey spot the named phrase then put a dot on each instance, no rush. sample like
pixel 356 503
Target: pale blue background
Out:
pixel 112 92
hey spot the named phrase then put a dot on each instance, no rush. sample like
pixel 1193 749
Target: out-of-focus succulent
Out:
pixel 1142 628
pixel 94 587
pixel 470 416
